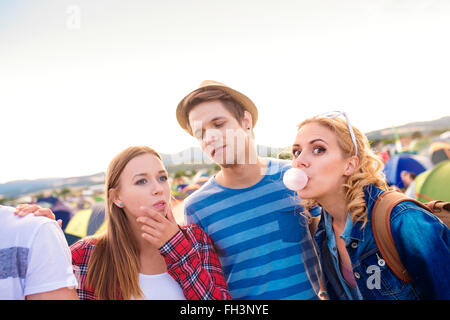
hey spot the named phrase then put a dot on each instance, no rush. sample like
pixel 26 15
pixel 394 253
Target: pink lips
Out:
pixel 160 205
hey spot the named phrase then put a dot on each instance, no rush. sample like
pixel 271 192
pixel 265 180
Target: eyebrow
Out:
pixel 315 140
pixel 311 142
pixel 216 118
pixel 144 174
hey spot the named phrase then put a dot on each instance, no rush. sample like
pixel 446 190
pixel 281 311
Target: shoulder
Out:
pixel 205 191
pixel 409 218
pixel 7 217
pixel 24 229
pixel 280 162
pixel 9 222
pixel 408 210
pixel 277 165
pixel 6 210
pixel 85 243
pixel 82 249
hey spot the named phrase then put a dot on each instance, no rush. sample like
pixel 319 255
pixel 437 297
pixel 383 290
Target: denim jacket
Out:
pixel 422 241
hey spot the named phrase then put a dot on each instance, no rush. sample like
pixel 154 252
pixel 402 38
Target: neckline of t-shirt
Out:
pixel 149 276
pixel 269 167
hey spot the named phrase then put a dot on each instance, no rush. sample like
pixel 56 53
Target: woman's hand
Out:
pixel 157 229
pixel 24 209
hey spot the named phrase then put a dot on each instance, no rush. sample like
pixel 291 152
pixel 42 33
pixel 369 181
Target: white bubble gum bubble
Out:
pixel 295 179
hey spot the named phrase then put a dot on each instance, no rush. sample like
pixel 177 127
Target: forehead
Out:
pixel 208 111
pixel 311 131
pixel 146 163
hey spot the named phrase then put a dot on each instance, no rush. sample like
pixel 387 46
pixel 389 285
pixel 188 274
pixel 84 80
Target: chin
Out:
pixel 223 161
pixel 224 164
pixel 306 194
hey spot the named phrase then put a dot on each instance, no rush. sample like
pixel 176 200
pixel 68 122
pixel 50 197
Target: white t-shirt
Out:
pixel 160 287
pixel 34 256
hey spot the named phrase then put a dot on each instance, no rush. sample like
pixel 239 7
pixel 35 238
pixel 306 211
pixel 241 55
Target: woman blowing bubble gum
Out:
pixel 144 254
pixel 334 167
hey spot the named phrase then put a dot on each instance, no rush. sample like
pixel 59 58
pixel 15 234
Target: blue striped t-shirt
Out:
pixel 259 235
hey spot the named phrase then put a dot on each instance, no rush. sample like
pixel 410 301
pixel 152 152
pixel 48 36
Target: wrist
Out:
pixel 175 248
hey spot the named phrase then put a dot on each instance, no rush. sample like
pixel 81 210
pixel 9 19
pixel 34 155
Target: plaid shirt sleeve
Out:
pixel 81 251
pixel 193 263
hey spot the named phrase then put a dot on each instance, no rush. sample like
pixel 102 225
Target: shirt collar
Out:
pixel 348 235
pixel 351 231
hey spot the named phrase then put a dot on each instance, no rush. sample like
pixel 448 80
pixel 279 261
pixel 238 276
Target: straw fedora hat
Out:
pixel 242 99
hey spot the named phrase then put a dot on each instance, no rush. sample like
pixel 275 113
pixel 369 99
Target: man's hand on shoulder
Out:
pixel 25 209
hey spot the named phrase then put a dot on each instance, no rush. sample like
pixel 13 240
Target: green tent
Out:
pixel 434 184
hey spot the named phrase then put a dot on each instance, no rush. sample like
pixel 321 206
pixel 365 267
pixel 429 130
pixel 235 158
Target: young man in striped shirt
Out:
pixel 253 220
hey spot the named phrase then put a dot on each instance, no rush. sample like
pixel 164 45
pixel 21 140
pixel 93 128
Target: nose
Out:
pixel 300 162
pixel 210 136
pixel 157 188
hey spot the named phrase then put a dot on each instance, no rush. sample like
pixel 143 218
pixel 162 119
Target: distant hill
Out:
pixel 21 187
pixel 423 127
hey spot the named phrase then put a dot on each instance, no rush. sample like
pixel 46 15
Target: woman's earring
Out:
pixel 121 205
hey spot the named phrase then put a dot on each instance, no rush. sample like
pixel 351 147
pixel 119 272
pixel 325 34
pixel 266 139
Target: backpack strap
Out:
pixel 381 229
pixel 440 209
pixel 381 226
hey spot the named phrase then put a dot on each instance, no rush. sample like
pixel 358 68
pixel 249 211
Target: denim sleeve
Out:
pixel 423 244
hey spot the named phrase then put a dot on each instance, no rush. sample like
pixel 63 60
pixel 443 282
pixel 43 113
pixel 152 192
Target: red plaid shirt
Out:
pixel 190 258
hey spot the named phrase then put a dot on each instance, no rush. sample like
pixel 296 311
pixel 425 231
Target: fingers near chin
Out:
pixel 147 229
pixel 152 240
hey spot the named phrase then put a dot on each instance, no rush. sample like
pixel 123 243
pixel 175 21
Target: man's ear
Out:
pixel 352 164
pixel 247 121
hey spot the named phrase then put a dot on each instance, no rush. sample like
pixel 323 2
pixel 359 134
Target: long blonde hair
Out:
pixel 369 170
pixel 114 264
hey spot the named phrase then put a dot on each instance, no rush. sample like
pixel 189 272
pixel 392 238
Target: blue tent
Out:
pixel 60 209
pixel 399 163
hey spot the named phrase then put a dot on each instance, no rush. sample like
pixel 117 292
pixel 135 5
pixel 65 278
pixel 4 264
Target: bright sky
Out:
pixel 82 80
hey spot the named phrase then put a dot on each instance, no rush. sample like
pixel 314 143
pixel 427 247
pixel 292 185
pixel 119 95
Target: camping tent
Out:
pixel 202 180
pixel 434 184
pixel 58 207
pixel 86 222
pixel 401 162
pixel 439 151
pixel 189 189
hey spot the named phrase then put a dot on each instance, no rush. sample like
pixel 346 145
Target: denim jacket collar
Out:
pixel 371 194
pixel 352 231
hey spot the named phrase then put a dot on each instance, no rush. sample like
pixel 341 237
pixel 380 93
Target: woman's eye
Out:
pixel 318 150
pixel 163 178
pixel 219 124
pixel 296 153
pixel 141 181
